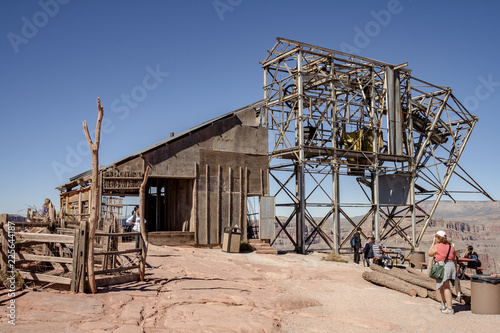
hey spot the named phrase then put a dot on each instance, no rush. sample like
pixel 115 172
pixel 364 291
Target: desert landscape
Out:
pixel 191 289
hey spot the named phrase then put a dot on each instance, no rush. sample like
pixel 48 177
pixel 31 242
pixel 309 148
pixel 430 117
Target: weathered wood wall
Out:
pixel 208 174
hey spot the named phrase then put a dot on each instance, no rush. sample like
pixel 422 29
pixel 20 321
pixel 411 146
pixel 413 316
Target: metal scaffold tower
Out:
pixel 334 118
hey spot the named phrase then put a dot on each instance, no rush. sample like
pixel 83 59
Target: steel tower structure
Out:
pixel 334 116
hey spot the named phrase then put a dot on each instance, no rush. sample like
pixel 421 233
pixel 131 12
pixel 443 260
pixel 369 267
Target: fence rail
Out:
pixel 52 255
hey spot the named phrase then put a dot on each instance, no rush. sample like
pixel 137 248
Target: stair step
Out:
pixel 262 246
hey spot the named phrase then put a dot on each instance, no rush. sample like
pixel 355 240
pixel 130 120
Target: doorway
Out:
pixel 169 204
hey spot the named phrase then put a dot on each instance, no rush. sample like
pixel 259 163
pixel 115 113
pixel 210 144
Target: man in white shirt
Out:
pixel 136 220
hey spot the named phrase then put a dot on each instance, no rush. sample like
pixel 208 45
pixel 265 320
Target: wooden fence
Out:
pixel 59 257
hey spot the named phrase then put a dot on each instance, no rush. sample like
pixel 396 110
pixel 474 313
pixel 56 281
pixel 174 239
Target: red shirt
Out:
pixel 441 250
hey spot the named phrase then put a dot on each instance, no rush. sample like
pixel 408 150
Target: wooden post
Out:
pixel 105 246
pixel 144 239
pixel 95 191
pixel 80 208
pixel 4 221
pixel 79 258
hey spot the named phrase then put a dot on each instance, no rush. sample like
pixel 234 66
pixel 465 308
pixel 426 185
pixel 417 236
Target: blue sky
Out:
pixel 166 66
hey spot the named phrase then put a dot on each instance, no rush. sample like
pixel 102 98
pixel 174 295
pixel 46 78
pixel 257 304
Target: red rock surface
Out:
pixel 207 290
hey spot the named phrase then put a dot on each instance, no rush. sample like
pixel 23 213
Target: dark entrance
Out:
pixel 169 204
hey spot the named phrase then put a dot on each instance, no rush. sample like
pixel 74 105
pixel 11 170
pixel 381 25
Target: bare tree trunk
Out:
pixel 394 283
pixel 144 243
pixel 95 191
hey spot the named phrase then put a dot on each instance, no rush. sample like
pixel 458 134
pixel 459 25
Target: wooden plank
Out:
pixel 117 252
pixel 79 258
pixel 142 261
pixel 4 251
pixel 31 276
pixel 105 234
pixel 27 243
pixel 31 224
pixel 105 247
pixel 55 264
pixel 103 281
pixel 35 257
pixel 46 238
pixel 115 270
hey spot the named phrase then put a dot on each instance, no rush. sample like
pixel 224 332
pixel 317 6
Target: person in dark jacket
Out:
pixel 368 250
pixel 357 245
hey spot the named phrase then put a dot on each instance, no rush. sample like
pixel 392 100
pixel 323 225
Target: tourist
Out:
pixel 379 254
pixel 137 226
pixel 130 222
pixel 356 241
pixel 444 254
pixel 368 250
pixel 471 254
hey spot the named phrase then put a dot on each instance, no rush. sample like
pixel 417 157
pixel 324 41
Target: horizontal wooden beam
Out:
pixel 124 234
pixel 115 270
pixel 32 224
pixel 48 238
pixel 103 281
pixel 37 257
pixel 116 252
pixel 45 277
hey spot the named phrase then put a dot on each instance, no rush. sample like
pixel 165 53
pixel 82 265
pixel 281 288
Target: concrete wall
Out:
pixel 232 165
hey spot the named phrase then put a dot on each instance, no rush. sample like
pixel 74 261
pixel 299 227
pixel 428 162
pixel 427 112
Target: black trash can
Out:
pixel 232 240
pixel 485 294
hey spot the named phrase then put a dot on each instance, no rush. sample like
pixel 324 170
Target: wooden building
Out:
pixel 199 179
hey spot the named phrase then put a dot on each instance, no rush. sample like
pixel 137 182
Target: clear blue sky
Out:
pixel 166 66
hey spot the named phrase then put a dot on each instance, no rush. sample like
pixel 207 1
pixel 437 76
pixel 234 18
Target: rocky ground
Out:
pixel 207 290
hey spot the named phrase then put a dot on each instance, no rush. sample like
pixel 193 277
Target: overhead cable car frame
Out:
pixel 333 115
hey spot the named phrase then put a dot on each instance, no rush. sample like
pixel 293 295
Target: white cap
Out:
pixel 441 233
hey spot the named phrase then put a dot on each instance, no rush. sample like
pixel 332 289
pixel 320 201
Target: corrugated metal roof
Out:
pixel 254 105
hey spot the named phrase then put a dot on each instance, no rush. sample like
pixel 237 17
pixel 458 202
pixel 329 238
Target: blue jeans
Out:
pixel 387 261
